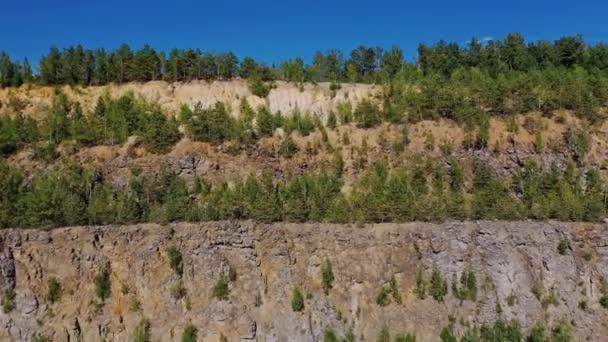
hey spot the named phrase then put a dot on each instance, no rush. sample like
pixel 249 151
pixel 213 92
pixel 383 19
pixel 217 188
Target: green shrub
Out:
pixel 221 290
pixel 8 300
pixel 189 334
pixel 438 285
pixel 420 284
pixel 405 338
pixel 367 114
pixel 54 290
pixel 103 287
pixel 395 290
pixel 383 298
pixel 468 287
pixel 563 247
pixel 288 148
pixel 175 260
pixel 259 88
pixel 38 337
pixel 579 142
pixel 604 297
pixel 329 335
pixel 297 300
pixel 327 276
pixel 142 331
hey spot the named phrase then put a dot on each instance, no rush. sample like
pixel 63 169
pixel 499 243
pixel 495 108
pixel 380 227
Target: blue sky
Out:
pixel 275 30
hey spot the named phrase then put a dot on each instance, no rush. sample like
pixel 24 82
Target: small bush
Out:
pixel 189 334
pixel 468 287
pixel 8 300
pixel 142 331
pixel 221 289
pixel 175 260
pixel 563 247
pixel 258 87
pixel 329 335
pixel 405 338
pixel 38 337
pixel 512 299
pixel 395 290
pixel 438 286
pixel 327 275
pixel 102 285
pixel 604 298
pixel 288 148
pixel 420 284
pixel 297 300
pixel 383 298
pixel 54 290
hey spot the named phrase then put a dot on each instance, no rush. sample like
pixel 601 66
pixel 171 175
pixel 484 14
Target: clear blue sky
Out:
pixel 275 30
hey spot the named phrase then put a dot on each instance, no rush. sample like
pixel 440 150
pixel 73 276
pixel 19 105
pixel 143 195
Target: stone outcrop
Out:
pixel 517 265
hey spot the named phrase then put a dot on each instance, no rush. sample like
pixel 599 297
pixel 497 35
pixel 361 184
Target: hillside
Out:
pixel 285 97
pixel 534 273
pixel 462 197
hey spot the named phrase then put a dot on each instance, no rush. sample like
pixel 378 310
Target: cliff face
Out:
pixel 284 97
pixel 520 275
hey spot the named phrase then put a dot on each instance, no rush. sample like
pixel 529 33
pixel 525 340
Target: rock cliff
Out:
pixel 528 271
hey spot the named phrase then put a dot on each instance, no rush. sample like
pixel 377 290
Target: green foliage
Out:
pixel 420 283
pixel 213 125
pixel 142 331
pixel 604 297
pixel 387 292
pixel 159 133
pixel 367 114
pixel 579 142
pixel 405 338
pixel 175 260
pixel 288 148
pixel 563 247
pixel 304 124
pixel 8 300
pixel 297 300
pixel 258 87
pixel 102 285
pixel 383 297
pixel 468 287
pixel 329 335
pixel 447 335
pixel 38 337
pixel 221 289
pixel 54 290
pixel 332 120
pixel 438 286
pixel 266 123
pixel 501 331
pixel 189 334
pixel 327 276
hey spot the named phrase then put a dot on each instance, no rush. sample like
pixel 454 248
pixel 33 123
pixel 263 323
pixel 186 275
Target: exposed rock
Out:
pixel 509 259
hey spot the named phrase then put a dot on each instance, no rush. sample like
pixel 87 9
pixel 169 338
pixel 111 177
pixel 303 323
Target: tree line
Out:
pixel 422 191
pixel 76 65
